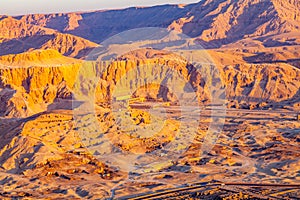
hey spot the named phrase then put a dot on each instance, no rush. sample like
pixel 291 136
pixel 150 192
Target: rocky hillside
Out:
pixel 226 21
pixel 221 23
pixel 12 28
pixel 46 58
pixel 27 91
pixel 94 26
pixel 18 36
pixel 214 22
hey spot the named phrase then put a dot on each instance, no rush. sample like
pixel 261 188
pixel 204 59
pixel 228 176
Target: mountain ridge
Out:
pixel 48 57
pixel 226 21
pixel 216 22
pixel 17 37
pixel 114 20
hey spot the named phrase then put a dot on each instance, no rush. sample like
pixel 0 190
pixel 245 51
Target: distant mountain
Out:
pixel 226 21
pixel 98 26
pixel 18 36
pixel 214 22
pixel 12 28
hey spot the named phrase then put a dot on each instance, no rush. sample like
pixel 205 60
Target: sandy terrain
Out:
pixel 260 146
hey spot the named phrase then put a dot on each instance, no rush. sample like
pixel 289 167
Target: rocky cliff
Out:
pixel 26 91
pixel 18 36
pixel 226 21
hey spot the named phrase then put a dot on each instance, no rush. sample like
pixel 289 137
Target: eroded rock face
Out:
pixel 261 83
pixel 35 88
pixel 27 91
pixel 18 36
pixel 225 21
pixel 215 22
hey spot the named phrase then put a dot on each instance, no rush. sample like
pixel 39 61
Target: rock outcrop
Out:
pixel 17 37
pixel 225 21
pixel 26 91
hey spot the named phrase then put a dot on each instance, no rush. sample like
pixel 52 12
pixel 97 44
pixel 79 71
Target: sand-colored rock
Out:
pixel 36 88
pixel 18 37
pixel 227 21
pixel 41 58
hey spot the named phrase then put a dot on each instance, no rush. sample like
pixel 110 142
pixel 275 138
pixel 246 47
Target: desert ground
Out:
pixel 256 146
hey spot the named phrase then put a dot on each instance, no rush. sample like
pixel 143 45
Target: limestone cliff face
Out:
pixel 261 83
pixel 33 89
pixel 11 28
pixel 18 36
pixel 26 91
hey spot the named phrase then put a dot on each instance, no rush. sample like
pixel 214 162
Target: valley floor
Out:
pixel 258 146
